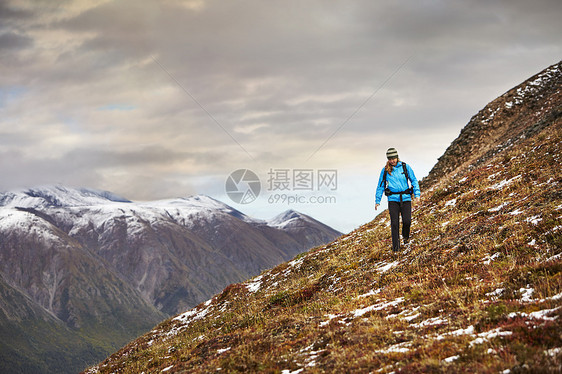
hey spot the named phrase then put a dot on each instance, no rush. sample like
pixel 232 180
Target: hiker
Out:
pixel 393 182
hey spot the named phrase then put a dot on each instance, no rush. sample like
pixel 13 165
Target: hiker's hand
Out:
pixel 377 206
pixel 414 202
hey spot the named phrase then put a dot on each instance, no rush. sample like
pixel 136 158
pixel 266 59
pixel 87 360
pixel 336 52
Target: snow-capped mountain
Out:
pixel 95 261
pixel 57 196
pixel 288 217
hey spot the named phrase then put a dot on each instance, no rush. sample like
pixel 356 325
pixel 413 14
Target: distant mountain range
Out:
pixel 83 271
pixel 478 290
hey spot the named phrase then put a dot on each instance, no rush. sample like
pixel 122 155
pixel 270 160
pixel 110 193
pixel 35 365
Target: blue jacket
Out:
pixel 397 182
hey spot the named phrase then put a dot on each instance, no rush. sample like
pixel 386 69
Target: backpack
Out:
pixel 388 192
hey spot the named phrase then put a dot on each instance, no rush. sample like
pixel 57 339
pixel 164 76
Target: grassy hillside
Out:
pixel 479 290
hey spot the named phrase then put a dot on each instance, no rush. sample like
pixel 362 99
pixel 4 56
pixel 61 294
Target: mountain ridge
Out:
pixel 107 268
pixel 57 196
pixel 478 290
pixel 501 122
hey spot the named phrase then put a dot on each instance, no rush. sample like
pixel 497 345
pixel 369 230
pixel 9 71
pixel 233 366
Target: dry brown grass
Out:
pixel 480 290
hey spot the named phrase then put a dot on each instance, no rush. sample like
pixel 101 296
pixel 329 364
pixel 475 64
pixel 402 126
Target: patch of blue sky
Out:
pixel 9 94
pixel 71 124
pixel 118 107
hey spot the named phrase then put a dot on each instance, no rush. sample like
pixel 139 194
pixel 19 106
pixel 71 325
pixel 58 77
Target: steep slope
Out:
pixel 104 269
pixel 521 111
pixel 24 326
pixel 479 289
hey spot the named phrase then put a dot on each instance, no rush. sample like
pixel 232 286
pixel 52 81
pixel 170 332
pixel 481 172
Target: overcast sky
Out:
pixel 162 99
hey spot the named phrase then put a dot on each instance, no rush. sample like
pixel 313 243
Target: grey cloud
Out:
pixel 25 172
pixel 13 41
pixel 212 52
pixel 141 157
pixel 88 167
pixel 11 14
pixel 122 30
pixel 15 140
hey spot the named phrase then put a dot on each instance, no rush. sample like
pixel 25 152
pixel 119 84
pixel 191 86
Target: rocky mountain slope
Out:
pixel 478 290
pixel 522 111
pixel 95 270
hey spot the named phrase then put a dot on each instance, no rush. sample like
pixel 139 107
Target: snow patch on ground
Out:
pixel 362 311
pixel 505 183
pixel 541 314
pixel 254 285
pixel 488 259
pixel 534 220
pixel 499 207
pixel 487 335
pixel 452 202
pixel 186 318
pixel 430 322
pixel 397 348
pixel 370 293
pixel 383 267
pixel 451 359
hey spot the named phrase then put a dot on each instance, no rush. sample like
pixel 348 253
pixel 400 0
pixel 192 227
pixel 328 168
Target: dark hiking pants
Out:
pixel 395 211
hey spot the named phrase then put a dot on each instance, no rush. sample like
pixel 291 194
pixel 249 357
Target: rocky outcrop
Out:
pixel 520 112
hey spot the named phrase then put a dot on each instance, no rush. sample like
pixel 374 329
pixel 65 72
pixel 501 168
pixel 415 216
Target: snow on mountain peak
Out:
pixel 285 218
pixel 191 208
pixel 58 196
pixel 199 203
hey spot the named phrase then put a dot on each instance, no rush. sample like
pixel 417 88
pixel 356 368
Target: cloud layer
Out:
pixel 155 99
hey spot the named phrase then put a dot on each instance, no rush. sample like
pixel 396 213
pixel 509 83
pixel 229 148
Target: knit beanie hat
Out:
pixel 391 153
